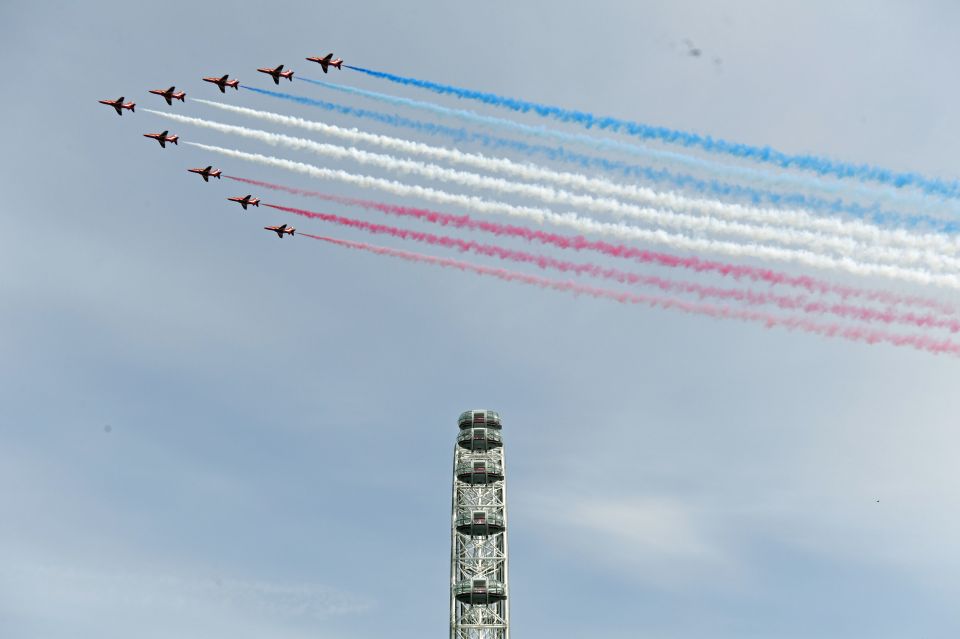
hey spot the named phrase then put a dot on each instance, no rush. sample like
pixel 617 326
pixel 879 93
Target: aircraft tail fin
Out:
pixel 133 108
pixel 183 96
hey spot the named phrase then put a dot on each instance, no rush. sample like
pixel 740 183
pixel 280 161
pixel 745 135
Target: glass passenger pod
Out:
pixel 479 523
pixel 480 418
pixel 479 591
pixel 479 438
pixel 479 471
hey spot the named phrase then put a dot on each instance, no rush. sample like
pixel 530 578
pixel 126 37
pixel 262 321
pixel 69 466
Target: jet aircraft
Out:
pixel 278 73
pixel 327 61
pixel 163 138
pixel 280 230
pixel 223 83
pixel 118 104
pixel 244 201
pixel 169 94
pixel 207 173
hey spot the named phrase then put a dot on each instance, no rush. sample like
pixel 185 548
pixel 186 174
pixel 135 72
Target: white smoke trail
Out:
pixel 793 218
pixel 587 225
pixel 844 247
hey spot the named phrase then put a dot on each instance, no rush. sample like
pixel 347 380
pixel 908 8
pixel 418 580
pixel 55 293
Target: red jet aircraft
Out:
pixel 326 61
pixel 118 104
pixel 163 138
pixel 244 201
pixel 169 94
pixel 278 73
pixel 223 82
pixel 280 230
pixel 207 173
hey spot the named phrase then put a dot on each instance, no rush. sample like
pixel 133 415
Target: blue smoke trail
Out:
pixel 816 164
pixel 606 144
pixel 711 187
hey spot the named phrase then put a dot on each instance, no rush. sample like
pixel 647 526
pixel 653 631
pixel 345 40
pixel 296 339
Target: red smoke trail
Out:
pixel 828 330
pixel 578 243
pixel 860 313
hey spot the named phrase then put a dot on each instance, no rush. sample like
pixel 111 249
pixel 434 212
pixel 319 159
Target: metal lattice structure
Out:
pixel 479 587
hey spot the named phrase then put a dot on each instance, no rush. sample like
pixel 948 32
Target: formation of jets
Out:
pixel 163 138
pixel 222 83
pixel 169 94
pixel 277 73
pixel 246 200
pixel 326 61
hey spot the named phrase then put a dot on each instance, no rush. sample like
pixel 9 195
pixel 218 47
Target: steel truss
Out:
pixel 479 584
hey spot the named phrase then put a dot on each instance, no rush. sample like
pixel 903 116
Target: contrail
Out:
pixel 643 256
pixel 767 155
pixel 869 336
pixel 847 248
pixel 587 225
pixel 794 303
pixel 803 182
pixel 795 219
pixel 659 175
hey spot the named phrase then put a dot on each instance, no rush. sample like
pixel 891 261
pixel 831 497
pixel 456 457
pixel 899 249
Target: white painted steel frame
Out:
pixel 476 557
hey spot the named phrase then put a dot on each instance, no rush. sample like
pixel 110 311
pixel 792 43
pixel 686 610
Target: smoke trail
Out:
pixel 804 182
pixel 559 153
pixel 798 303
pixel 816 164
pixel 587 225
pixel 800 220
pixel 868 336
pixel 850 250
pixel 643 256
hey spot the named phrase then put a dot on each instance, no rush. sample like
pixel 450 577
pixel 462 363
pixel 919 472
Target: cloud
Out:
pixel 654 538
pixel 88 600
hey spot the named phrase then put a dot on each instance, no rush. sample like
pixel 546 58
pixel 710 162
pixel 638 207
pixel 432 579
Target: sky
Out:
pixel 206 432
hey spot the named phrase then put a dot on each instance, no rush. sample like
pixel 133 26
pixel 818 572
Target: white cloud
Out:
pixel 654 538
pixel 75 600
